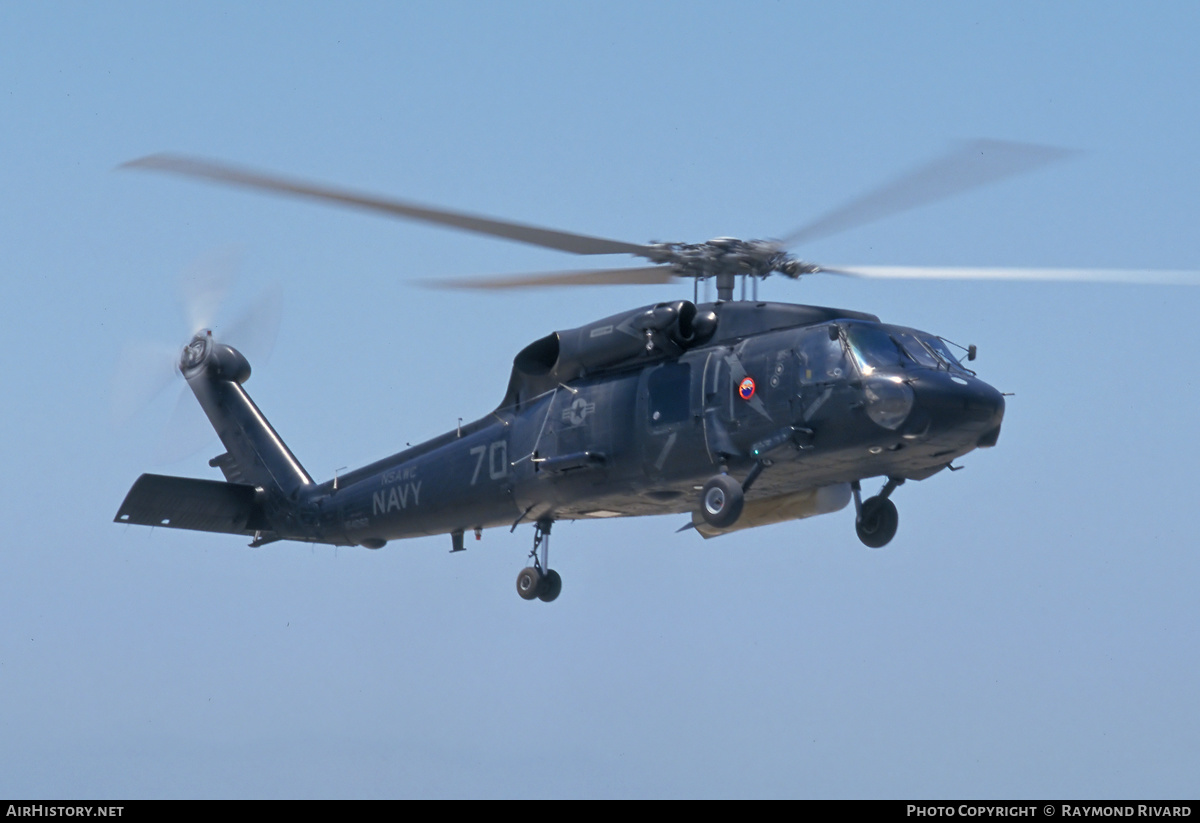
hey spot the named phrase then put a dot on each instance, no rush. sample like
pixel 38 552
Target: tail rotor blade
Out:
pixel 256 329
pixel 186 433
pixel 204 286
pixel 143 372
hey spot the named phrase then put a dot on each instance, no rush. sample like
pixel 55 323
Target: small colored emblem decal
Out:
pixel 746 388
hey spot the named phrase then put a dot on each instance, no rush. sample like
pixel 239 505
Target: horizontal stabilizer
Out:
pixel 189 503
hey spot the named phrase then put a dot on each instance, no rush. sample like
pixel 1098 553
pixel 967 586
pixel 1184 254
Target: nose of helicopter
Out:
pixel 958 406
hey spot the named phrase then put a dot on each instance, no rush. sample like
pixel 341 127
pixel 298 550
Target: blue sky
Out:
pixel 1029 633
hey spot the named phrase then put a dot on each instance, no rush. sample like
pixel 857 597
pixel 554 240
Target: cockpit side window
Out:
pixel 873 348
pixel 821 360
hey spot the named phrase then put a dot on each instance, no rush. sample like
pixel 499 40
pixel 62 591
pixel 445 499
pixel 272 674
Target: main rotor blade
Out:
pixel 533 235
pixel 1149 277
pixel 970 165
pixel 586 277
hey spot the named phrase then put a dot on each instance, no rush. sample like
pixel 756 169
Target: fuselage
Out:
pixel 817 398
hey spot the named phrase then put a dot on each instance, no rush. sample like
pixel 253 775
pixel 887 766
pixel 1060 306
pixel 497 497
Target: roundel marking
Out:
pixel 746 388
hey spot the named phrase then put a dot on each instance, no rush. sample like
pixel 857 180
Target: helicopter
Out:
pixel 736 412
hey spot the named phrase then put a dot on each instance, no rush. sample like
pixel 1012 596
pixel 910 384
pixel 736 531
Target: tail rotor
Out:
pixel 145 371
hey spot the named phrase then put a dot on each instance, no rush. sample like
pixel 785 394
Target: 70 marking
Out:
pixel 497 454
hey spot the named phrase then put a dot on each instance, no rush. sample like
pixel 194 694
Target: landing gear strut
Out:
pixel 539 581
pixel 877 518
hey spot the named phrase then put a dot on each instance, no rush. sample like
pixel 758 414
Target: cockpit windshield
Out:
pixel 880 348
pixel 913 347
pixel 873 349
pixel 940 348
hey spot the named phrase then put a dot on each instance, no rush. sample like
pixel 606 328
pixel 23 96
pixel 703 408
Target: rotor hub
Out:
pixel 196 352
pixel 727 258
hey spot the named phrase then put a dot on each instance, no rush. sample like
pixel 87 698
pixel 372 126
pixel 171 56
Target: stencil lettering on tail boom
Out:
pixel 397 497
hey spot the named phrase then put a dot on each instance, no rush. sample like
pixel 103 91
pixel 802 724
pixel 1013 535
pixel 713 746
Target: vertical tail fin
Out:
pixel 255 453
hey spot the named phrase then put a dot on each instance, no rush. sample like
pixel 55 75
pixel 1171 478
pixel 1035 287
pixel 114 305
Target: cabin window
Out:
pixel 669 387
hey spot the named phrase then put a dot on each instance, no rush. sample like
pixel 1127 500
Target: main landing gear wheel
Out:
pixel 721 501
pixel 529 583
pixel 551 586
pixel 539 581
pixel 878 523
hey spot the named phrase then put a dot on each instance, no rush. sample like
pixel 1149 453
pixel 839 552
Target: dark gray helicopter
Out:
pixel 739 412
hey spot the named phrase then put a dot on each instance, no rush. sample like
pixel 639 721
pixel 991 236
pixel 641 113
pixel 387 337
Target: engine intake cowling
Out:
pixel 642 335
